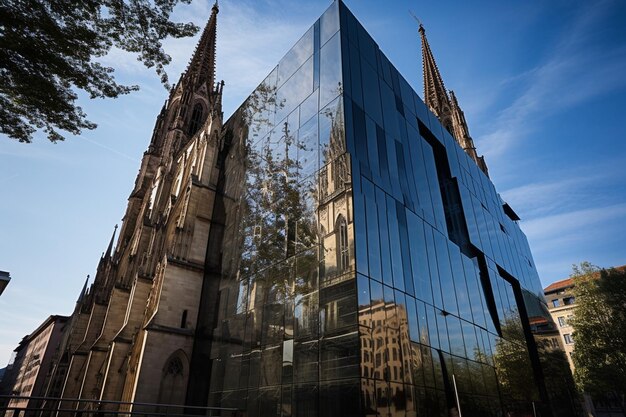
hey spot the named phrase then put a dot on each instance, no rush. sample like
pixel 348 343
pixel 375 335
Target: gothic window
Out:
pixel 341 231
pixel 174 367
pixel 196 119
pixel 322 253
pixel 324 183
pixel 340 171
pixel 173 380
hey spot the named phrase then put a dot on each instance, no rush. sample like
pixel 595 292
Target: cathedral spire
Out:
pixel 107 255
pixel 435 94
pixel 444 106
pixel 202 65
pixel 83 292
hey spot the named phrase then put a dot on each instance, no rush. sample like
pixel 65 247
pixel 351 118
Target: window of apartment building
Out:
pixel 568 338
pixel 555 303
pixel 562 321
pixel 568 301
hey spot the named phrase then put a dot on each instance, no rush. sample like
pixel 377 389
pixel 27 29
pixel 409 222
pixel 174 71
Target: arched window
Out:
pixel 173 380
pixel 174 366
pixel 196 119
pixel 341 231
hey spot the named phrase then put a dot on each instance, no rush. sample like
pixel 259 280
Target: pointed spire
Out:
pixel 446 107
pixel 435 95
pixel 83 292
pixel 107 255
pixel 202 65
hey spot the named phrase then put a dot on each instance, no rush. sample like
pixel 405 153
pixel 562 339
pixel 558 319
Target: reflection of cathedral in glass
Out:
pixel 360 263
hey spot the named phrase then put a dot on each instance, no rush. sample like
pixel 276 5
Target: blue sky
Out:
pixel 541 84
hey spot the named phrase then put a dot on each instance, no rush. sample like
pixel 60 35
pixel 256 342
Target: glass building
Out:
pixel 360 263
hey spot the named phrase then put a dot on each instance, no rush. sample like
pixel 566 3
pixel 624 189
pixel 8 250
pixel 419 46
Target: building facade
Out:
pixel 367 265
pixel 335 248
pixel 562 303
pixel 31 369
pixel 131 336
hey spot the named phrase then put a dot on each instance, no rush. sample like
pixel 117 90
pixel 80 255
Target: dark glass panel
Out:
pixel 373 240
pixel 405 249
pixel 444 341
pixel 438 369
pixel 411 311
pixel 432 263
pixel 367 46
pixel 433 185
pixel 305 400
pixel 360 233
pixel 371 94
pixel 372 146
pixel 269 402
pixel 367 351
pixel 457 345
pixel 286 401
pixel 306 361
pixel 389 111
pixel 360 140
pixel 306 315
pixel 271 368
pixel 446 278
pixel 398 400
pixel 340 398
pixel 385 255
pixel 363 289
pixel 394 244
pixel 338 306
pixel 356 88
pixel 471 342
pixel 383 397
pixel 339 356
pixel 433 334
pixel 462 293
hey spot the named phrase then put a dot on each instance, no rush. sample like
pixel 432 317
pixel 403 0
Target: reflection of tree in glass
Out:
pixel 278 206
pixel 513 365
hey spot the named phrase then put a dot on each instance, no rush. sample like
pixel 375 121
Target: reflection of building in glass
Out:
pixel 367 265
pixel 334 249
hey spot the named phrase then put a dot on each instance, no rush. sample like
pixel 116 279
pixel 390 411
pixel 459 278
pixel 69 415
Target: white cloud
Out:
pixel 576 226
pixel 570 189
pixel 575 71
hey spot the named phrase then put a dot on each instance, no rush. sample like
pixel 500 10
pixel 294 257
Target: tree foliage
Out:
pixel 49 50
pixel 600 329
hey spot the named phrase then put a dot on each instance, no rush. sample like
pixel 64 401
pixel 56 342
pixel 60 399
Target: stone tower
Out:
pixel 444 106
pixel 140 314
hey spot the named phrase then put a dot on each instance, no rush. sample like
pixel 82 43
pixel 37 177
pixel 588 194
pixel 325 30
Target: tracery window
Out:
pixel 341 230
pixel 196 119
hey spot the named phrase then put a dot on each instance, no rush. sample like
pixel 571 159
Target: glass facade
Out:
pixel 367 266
